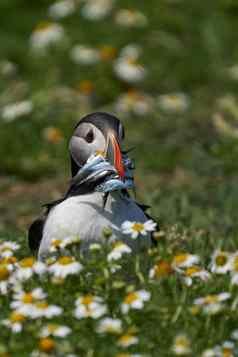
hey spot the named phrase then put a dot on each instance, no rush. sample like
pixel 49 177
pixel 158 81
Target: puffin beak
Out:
pixel 113 153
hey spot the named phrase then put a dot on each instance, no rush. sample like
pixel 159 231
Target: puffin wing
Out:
pixel 35 234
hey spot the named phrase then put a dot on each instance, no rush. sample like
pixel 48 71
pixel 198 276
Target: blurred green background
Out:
pixel 185 140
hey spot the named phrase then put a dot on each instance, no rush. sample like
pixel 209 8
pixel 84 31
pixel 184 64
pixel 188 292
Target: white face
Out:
pixel 87 139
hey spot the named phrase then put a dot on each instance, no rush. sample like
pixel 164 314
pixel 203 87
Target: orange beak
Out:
pixel 114 154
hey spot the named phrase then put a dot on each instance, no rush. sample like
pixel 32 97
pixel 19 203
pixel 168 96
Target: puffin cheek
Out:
pixel 79 149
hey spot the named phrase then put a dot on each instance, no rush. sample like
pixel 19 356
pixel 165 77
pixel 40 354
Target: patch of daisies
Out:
pixel 111 294
pixel 125 66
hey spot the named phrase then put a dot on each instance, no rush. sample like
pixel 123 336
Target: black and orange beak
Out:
pixel 113 153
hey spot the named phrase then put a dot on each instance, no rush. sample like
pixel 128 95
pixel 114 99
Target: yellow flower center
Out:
pixel 211 299
pixel 117 244
pixel 192 270
pixel 174 99
pixel 53 135
pixel 4 272
pixel 133 95
pixel 27 262
pixel 5 249
pixel 132 61
pixel 27 298
pixel 195 310
pixel 65 260
pixel 131 11
pixel 125 339
pixel 8 260
pixel 227 352
pixel 180 258
pixel 16 317
pixel 86 87
pixel 130 298
pixel 87 300
pixel 46 344
pixel 162 269
pixel 42 305
pixel 43 26
pixel 108 53
pixel 221 260
pixel 138 227
pixel 182 342
pixel 52 328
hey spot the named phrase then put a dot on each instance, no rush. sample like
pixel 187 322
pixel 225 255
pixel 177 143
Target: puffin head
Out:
pixel 97 132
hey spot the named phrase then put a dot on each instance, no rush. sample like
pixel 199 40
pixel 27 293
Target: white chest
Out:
pixel 84 216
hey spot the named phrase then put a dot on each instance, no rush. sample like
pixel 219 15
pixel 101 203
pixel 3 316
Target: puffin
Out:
pixel 86 211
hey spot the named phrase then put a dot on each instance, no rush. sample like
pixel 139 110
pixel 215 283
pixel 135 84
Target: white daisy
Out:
pixel 224 126
pixel 134 229
pixel 130 18
pixel 27 267
pixel 16 110
pixel 114 267
pixel 90 306
pixel 233 72
pixel 7 249
pixel 227 349
pixel 97 9
pixel 127 340
pixel 61 9
pixel 118 250
pixel 135 300
pixel 160 270
pixel 61 244
pixel 182 345
pixel 14 322
pixel 194 272
pixel 131 51
pixel 185 260
pixel 23 302
pixel 64 266
pixel 55 330
pixel 129 70
pixel 43 309
pixel 221 262
pixel 109 325
pixel 212 304
pixel 234 335
pixel 84 55
pixel 209 353
pixel 174 103
pixel 7 265
pixel 94 247
pixel 134 102
pixel 45 35
pixel 5 276
pixel 8 68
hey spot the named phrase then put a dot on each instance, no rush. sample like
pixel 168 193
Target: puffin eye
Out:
pixel 89 137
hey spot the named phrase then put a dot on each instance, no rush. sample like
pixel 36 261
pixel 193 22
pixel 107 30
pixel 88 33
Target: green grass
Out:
pixel 186 164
